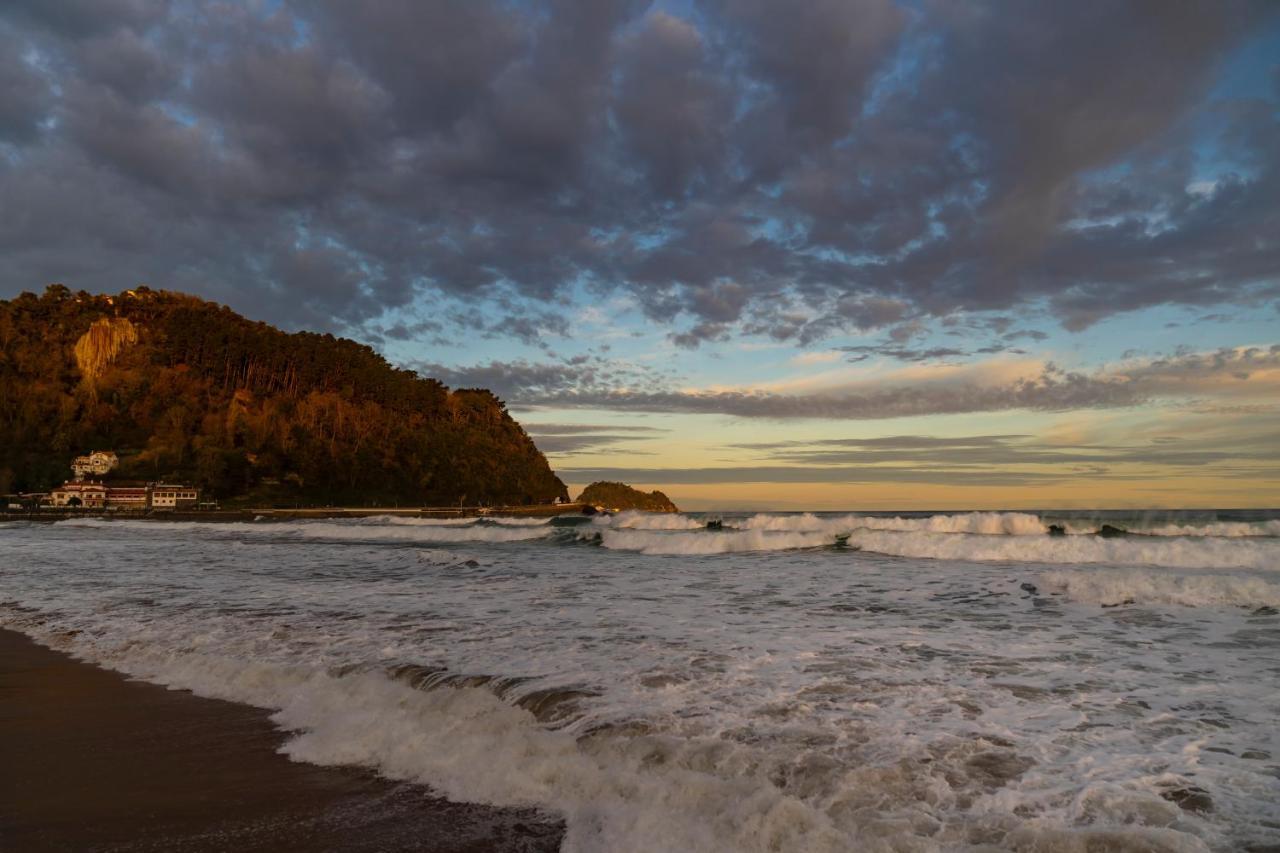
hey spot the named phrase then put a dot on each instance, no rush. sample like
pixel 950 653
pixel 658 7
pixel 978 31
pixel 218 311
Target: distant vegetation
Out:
pixel 619 496
pixel 187 390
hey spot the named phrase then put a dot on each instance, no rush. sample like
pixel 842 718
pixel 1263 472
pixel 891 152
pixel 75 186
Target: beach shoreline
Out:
pixel 95 761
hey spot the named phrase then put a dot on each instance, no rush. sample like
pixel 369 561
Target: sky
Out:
pixel 839 254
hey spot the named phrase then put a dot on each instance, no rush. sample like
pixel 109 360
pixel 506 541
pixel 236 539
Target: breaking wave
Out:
pixel 818 701
pixel 627 791
pixel 1000 524
pixel 973 537
pixel 1225 529
pixel 461 521
pixel 616 793
pixel 519 522
pixel 411 521
pixel 710 542
pixel 632 519
pixel 381 528
pixel 431 533
pixel 989 523
pixel 1183 553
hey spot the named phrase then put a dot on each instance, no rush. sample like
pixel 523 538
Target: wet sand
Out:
pixel 90 761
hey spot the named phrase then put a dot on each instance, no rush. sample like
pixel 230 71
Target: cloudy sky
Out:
pixel 839 253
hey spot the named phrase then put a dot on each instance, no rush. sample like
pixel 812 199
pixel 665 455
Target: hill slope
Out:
pixel 186 389
pixel 616 496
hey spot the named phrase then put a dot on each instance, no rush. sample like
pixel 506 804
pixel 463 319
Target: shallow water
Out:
pixel 940 682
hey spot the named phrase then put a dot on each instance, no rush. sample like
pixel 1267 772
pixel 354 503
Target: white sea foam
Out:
pixel 811 698
pixel 99 522
pixel 991 523
pixel 414 521
pixel 1131 551
pixel 449 559
pixel 636 520
pixel 710 542
pixel 653 792
pixel 641 794
pixel 520 522
pixel 428 533
pixel 1228 529
pixel 1162 586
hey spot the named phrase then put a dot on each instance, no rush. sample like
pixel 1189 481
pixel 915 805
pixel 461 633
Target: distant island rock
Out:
pixel 185 390
pixel 619 496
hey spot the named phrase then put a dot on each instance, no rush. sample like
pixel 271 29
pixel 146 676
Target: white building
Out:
pixel 98 462
pixel 169 496
pixel 79 494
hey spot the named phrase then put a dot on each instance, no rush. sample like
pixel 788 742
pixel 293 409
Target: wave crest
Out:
pixel 636 520
pixel 709 542
pixel 1133 551
pixel 988 523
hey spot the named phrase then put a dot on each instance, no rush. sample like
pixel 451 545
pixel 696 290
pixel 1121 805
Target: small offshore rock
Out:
pixel 1029 587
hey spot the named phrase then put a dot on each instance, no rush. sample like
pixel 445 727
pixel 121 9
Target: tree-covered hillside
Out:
pixel 616 496
pixel 185 389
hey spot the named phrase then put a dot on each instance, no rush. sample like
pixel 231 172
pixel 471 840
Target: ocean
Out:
pixel 962 681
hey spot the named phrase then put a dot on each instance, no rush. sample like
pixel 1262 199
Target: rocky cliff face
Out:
pixel 106 339
pixel 183 388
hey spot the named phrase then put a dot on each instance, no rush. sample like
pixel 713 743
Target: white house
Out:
pixel 98 462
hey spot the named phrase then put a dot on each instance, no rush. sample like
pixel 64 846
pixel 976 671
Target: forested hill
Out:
pixel 620 496
pixel 187 390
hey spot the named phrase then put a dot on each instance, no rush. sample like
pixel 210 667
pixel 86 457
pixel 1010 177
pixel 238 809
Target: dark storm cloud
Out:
pixel 24 93
pixel 82 18
pixel 741 167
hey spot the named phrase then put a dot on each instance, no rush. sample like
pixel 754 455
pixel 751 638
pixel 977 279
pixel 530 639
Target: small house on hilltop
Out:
pixel 98 462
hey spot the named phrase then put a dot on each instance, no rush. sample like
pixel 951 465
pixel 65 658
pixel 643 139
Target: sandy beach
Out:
pixel 93 761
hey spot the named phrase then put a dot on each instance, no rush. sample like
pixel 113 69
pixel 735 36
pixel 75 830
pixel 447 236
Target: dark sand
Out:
pixel 90 761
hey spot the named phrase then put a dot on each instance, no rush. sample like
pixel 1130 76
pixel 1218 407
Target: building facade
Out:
pixel 133 496
pixel 127 497
pixel 99 462
pixel 170 496
pixel 85 494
